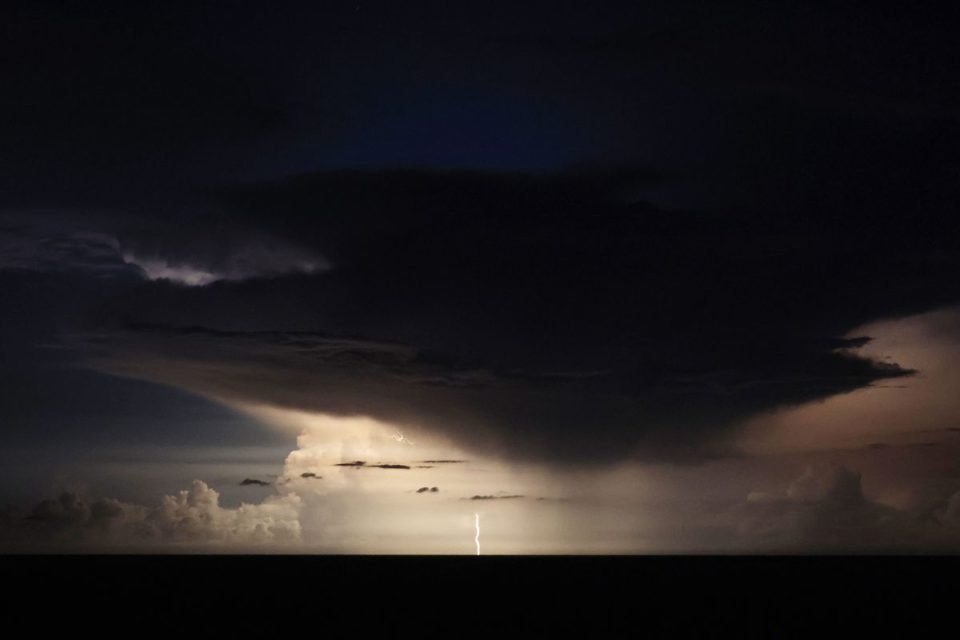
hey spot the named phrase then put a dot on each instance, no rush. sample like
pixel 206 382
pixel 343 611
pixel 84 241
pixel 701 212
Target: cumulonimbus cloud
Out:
pixel 191 518
pixel 538 316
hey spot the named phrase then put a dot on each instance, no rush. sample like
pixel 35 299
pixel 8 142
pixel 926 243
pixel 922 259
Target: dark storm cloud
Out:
pixel 247 482
pixel 552 315
pixel 61 251
pixel 49 242
pixel 197 249
pixel 546 316
pixel 521 415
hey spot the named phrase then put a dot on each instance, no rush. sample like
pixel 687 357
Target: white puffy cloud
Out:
pixel 191 517
pixel 322 506
pixel 195 514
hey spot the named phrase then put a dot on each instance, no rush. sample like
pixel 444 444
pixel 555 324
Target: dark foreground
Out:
pixel 314 596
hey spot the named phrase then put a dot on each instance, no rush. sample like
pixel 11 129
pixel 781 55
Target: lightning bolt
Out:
pixel 476 520
pixel 399 437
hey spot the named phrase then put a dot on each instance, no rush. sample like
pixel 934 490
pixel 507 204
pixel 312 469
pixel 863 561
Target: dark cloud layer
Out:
pixel 541 315
pixel 561 315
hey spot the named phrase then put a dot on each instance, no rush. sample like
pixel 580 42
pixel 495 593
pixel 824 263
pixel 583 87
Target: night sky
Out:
pixel 611 277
